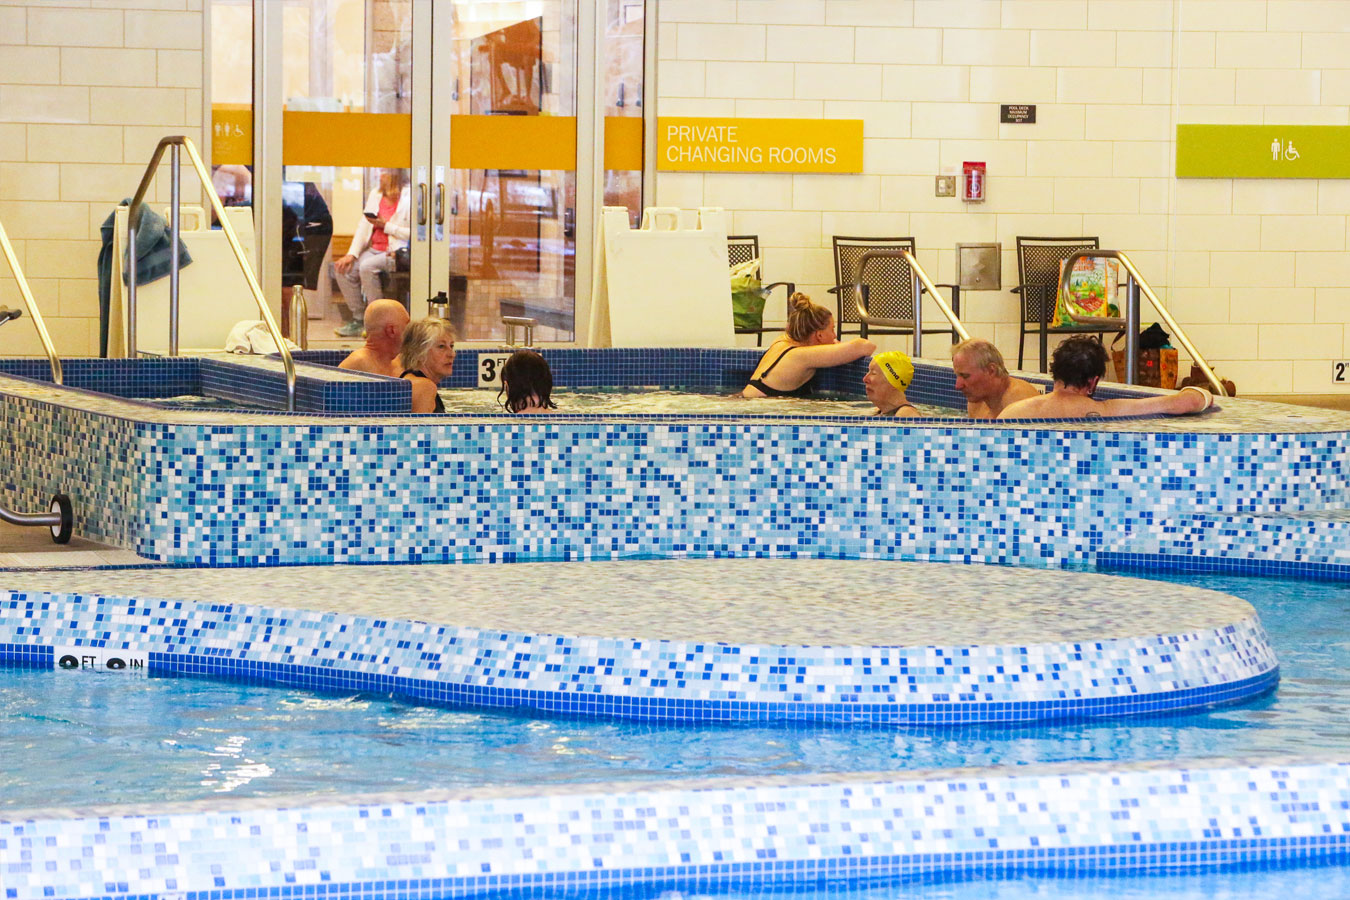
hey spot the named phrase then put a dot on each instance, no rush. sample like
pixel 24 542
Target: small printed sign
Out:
pixel 490 369
pixel 1340 371
pixel 98 659
pixel 1017 114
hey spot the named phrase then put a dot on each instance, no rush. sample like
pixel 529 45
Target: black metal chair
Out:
pixel 741 248
pixel 1038 260
pixel 888 289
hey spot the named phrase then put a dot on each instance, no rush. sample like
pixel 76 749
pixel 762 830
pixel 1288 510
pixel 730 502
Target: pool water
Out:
pixel 658 402
pixel 211 737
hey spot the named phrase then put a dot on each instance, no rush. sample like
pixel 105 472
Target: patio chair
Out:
pixel 1038 260
pixel 888 288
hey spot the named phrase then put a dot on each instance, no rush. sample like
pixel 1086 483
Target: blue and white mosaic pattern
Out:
pixel 692 641
pixel 239 489
pixel 1093 821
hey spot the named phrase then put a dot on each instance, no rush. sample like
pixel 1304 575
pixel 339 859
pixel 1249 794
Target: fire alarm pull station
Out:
pixel 972 182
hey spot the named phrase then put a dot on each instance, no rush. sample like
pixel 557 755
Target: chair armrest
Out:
pixel 791 287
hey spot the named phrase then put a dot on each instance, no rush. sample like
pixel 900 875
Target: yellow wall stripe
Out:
pixel 385 139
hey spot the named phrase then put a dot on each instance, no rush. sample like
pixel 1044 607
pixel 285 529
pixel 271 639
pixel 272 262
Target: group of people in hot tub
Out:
pixel 788 369
pixel 423 353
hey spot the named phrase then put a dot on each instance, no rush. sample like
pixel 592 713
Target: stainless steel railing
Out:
pixel 1134 284
pixel 177 143
pixel 33 313
pixel 921 284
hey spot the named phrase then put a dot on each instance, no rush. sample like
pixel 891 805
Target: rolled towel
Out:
pixel 1209 398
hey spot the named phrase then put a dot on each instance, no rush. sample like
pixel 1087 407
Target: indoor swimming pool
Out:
pixel 174 739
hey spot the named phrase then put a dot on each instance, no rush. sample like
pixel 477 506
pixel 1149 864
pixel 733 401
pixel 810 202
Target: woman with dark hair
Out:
pixel 428 354
pixel 527 383
pixel 789 366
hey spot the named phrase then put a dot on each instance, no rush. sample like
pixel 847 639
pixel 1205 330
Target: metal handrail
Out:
pixel 137 210
pixel 922 278
pixel 28 301
pixel 1134 284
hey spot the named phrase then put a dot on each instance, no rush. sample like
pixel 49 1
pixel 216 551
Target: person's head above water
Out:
pixel 887 377
pixel 807 322
pixel 429 344
pixel 385 322
pixel 895 367
pixel 1079 362
pixel 527 382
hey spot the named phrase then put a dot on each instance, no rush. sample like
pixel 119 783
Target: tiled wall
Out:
pixel 86 92
pixel 1256 270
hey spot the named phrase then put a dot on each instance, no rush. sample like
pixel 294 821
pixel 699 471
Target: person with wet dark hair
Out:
pixel 1077 366
pixel 527 382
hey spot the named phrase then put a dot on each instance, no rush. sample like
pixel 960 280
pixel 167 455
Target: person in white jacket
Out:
pixel 385 227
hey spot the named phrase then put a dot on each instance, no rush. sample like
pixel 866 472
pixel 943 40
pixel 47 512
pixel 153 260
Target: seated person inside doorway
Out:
pixel 983 378
pixel 788 367
pixel 386 227
pixel 887 377
pixel 428 354
pixel 1077 365
pixel 385 322
pixel 527 383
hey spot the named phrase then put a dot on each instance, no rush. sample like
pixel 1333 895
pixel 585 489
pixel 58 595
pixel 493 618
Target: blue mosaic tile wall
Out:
pixel 660 680
pixel 442 489
pixel 705 835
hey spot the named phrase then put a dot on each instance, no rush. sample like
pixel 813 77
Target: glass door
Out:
pixel 504 180
pixel 347 194
pixel 447 147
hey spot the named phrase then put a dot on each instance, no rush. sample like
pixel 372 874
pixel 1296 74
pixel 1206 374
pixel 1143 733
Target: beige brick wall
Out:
pixel 86 91
pixel 1257 271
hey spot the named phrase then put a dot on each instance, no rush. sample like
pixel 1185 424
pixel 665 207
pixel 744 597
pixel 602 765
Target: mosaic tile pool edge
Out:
pixel 659 680
pixel 1113 820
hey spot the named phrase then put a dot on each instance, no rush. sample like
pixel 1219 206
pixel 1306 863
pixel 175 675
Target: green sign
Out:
pixel 1263 151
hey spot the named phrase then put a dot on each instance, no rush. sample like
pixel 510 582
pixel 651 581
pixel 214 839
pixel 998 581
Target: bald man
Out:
pixel 385 321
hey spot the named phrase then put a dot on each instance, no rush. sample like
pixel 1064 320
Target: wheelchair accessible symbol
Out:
pixel 1288 148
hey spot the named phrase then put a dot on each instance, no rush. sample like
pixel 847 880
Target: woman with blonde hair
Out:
pixel 428 354
pixel 788 367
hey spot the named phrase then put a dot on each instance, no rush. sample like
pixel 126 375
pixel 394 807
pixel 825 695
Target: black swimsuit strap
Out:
pixel 765 373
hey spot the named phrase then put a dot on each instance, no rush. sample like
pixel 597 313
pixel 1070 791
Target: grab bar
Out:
pixel 920 278
pixel 28 301
pixel 137 210
pixel 1134 283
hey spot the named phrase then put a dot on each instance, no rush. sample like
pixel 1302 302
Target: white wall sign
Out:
pixel 490 369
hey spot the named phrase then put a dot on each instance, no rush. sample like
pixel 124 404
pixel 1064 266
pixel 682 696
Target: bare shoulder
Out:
pixel 1020 390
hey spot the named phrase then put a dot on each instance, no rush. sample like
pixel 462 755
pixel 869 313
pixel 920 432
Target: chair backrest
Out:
pixel 890 283
pixel 1038 260
pixel 742 248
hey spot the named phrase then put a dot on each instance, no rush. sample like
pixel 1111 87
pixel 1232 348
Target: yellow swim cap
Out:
pixel 897 368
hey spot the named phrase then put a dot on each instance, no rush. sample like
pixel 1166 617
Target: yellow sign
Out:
pixel 231 134
pixel 688 144
pixel 1263 151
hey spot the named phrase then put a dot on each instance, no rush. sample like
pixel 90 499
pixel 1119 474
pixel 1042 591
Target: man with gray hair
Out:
pixel 983 377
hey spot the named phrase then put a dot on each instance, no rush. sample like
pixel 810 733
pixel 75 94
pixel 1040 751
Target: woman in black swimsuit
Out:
pixel 788 367
pixel 428 355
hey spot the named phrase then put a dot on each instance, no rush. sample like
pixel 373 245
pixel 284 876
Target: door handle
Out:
pixel 439 206
pixel 421 203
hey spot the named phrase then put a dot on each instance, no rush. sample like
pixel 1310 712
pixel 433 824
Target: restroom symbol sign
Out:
pixel 1282 150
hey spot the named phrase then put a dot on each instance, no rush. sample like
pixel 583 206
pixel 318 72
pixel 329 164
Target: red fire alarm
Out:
pixel 972 182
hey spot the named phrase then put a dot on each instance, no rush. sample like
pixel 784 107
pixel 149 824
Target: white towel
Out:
pixel 252 336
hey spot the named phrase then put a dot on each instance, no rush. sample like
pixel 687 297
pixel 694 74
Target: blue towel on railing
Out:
pixel 152 261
